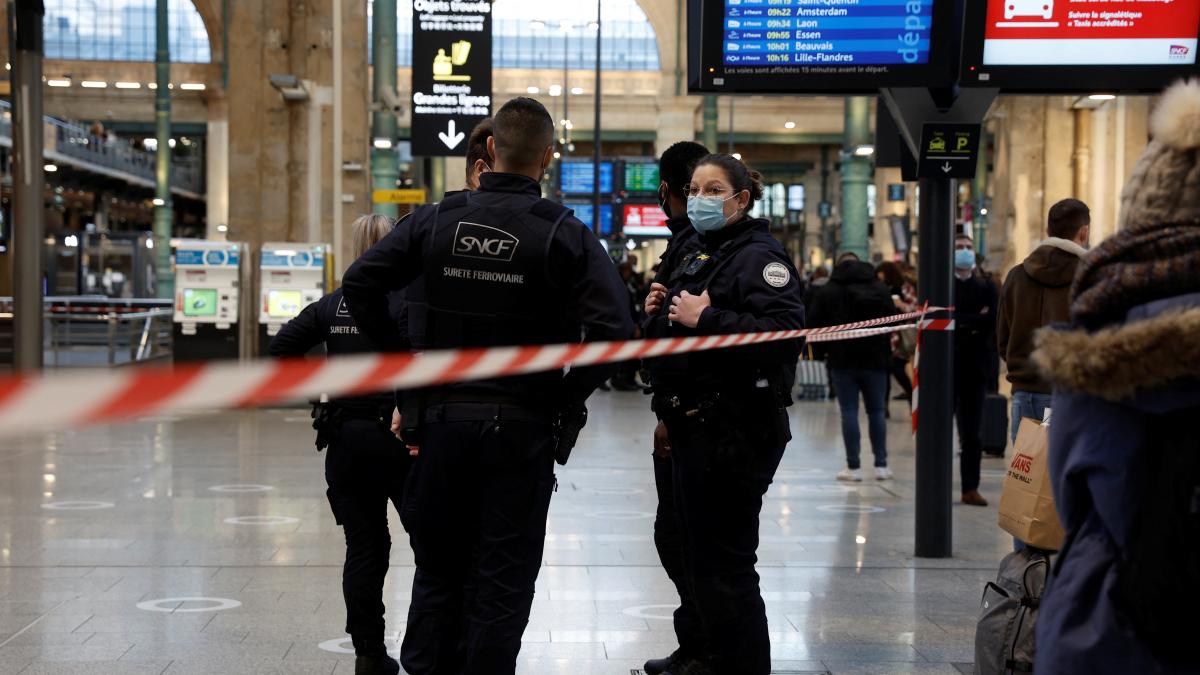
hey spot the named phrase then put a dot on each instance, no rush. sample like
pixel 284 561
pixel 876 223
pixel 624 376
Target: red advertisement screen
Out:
pixel 1091 32
pixel 645 220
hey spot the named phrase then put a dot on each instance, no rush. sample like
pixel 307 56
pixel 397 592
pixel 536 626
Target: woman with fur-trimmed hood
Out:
pixel 1125 433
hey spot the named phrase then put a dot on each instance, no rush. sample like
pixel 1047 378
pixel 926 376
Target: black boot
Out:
pixel 376 664
pixel 659 666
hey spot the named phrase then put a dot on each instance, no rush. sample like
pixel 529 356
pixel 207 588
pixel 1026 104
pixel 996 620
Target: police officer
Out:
pixel 366 465
pixel 725 410
pixel 674 170
pixel 479 161
pixel 500 266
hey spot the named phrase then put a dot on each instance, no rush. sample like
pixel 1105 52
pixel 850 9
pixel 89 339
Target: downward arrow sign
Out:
pixel 451 136
pixel 945 167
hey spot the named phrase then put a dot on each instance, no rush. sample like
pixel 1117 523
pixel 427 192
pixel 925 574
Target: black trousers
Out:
pixel 668 539
pixel 899 369
pixel 365 468
pixel 475 511
pixel 969 391
pixel 719 481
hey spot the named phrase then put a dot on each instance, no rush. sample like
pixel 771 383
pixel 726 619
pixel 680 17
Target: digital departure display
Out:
pixel 641 177
pixel 820 46
pixel 583 211
pixel 577 178
pixel 1099 32
pixel 826 33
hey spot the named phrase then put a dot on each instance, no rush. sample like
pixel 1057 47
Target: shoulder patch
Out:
pixel 776 274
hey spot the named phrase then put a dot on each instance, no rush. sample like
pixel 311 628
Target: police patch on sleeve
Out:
pixel 777 275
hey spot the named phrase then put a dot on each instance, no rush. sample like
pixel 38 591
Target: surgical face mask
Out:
pixel 964 258
pixel 707 213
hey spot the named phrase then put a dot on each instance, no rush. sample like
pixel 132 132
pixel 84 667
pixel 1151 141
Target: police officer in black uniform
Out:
pixel 366 465
pixel 500 266
pixel 674 170
pixel 725 410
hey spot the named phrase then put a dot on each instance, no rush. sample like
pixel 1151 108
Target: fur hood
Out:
pixel 1119 362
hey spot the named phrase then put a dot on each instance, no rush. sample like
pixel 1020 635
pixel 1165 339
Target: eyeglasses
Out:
pixel 710 191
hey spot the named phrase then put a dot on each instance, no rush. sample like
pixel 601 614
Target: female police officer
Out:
pixel 725 410
pixel 366 465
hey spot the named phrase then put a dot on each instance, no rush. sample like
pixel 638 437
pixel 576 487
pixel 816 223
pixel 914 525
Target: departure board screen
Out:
pixel 825 32
pixel 641 177
pixel 577 178
pixel 583 211
pixel 820 46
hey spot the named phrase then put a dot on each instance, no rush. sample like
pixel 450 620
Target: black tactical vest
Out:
pixel 487 281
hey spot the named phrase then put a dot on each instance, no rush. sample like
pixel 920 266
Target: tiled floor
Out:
pixel 108 535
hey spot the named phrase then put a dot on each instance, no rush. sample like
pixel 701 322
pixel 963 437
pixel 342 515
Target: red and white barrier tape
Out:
pixel 68 400
pixel 922 326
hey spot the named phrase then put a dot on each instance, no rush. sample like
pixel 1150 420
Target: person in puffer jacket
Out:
pixel 1126 379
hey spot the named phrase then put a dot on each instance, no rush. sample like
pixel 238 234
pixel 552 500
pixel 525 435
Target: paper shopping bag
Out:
pixel 1027 509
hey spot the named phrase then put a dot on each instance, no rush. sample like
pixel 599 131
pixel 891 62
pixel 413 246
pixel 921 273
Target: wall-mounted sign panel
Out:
pixel 452 74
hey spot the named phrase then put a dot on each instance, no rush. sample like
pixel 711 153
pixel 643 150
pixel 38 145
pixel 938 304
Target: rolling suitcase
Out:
pixel 994 428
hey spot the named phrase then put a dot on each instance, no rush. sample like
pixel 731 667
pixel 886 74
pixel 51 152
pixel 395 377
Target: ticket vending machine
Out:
pixel 291 276
pixel 207 282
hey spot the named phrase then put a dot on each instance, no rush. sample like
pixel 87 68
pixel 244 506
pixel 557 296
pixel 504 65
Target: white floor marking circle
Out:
pixel 241 487
pixel 666 613
pixel 173 605
pixel 77 506
pixel 261 520
pixel 851 508
pixel 346 645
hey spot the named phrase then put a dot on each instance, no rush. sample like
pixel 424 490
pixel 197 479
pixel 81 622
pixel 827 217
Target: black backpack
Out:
pixel 1005 642
pixel 1158 584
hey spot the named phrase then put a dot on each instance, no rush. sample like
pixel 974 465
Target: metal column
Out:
pixel 163 213
pixel 28 186
pixel 709 137
pixel 856 175
pixel 935 433
pixel 596 133
pixel 384 161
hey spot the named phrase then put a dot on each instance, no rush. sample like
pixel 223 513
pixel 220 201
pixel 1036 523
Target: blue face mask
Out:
pixel 707 213
pixel 964 259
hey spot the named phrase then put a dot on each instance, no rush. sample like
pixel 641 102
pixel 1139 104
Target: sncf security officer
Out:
pixel 500 266
pixel 675 169
pixel 725 410
pixel 366 465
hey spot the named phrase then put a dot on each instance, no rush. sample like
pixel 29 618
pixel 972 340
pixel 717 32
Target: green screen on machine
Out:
pixel 199 302
pixel 641 177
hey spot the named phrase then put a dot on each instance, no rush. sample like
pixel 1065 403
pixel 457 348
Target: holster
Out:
pixel 566 430
pixel 325 421
pixel 412 416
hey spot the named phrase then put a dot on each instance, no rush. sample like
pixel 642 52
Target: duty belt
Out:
pixel 463 411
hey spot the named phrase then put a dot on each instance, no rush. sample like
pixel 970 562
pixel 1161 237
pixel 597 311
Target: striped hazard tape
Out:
pixel 922 326
pixel 65 400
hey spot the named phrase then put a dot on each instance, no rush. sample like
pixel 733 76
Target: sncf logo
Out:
pixel 472 240
pixel 1022 463
pixel 1179 52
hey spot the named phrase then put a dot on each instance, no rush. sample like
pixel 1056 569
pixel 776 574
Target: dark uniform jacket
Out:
pixel 854 294
pixel 498 266
pixel 753 288
pixel 974 325
pixel 328 321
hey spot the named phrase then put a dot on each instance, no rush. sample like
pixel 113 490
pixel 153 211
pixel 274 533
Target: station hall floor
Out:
pixel 205 545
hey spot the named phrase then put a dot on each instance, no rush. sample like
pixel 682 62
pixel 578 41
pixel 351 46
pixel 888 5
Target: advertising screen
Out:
pixel 1112 32
pixel 578 177
pixel 641 177
pixel 815 46
pixel 199 302
pixel 645 220
pixel 583 211
pixel 1086 46
pixel 284 304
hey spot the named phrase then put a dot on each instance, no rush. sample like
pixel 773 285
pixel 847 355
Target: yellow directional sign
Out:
pixel 412 196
